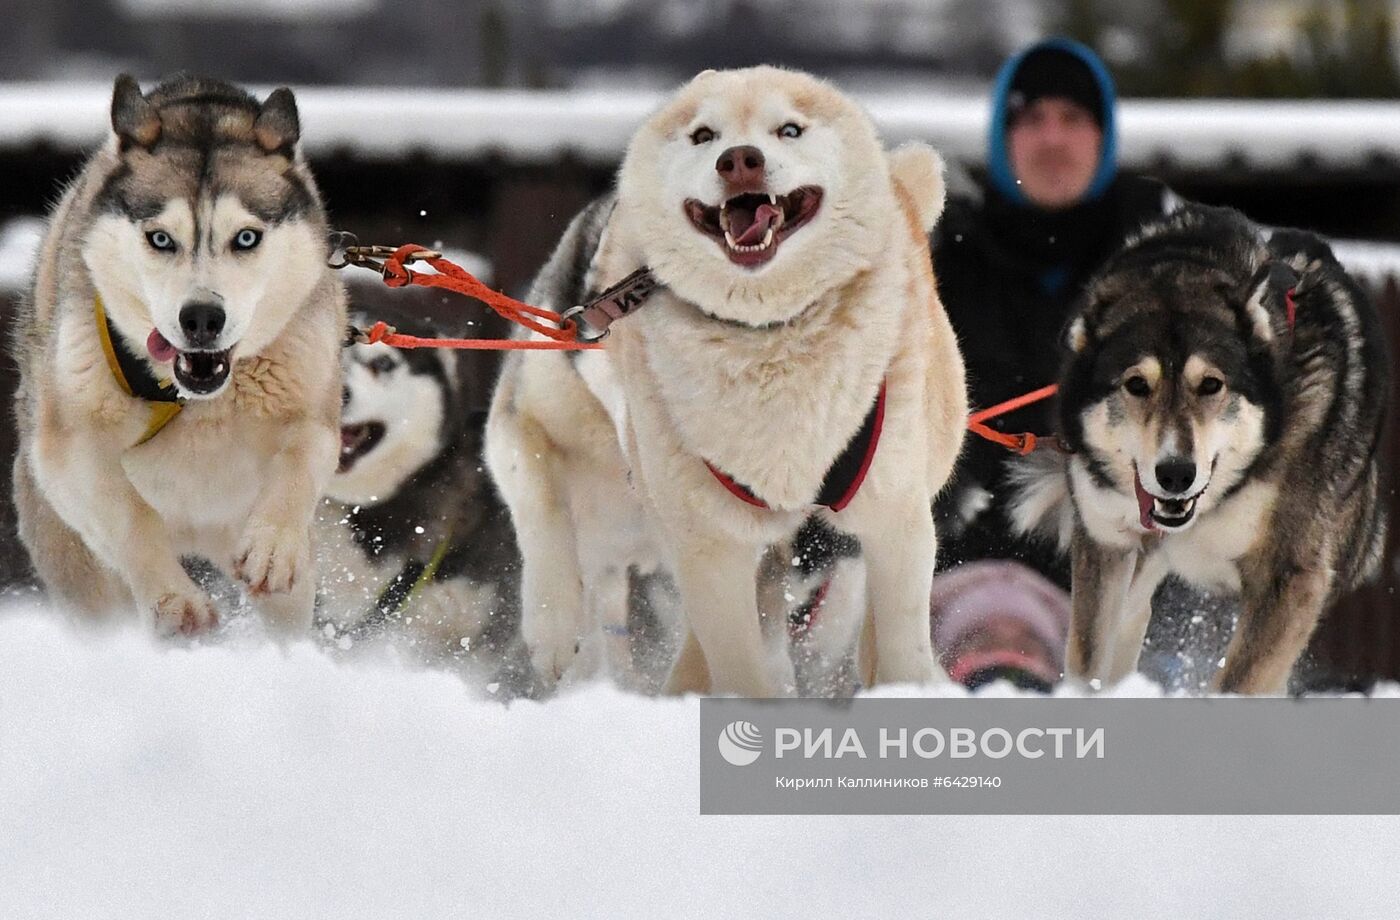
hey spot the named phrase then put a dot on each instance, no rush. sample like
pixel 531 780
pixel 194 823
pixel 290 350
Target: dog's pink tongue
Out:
pixel 1144 504
pixel 160 349
pixel 765 216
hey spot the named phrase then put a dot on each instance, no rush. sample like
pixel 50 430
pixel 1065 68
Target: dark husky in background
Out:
pixel 1223 399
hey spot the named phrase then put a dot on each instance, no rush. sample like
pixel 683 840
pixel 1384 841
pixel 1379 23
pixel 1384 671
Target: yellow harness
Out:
pixel 394 599
pixel 397 595
pixel 135 378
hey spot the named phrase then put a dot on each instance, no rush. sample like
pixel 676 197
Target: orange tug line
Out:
pixel 563 334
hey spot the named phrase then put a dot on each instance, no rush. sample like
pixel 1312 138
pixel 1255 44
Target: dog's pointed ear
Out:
pixel 1269 291
pixel 278 127
pixel 1076 337
pixel 919 170
pixel 134 119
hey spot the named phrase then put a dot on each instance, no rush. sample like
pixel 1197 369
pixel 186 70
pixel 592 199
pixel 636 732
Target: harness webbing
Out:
pixel 400 591
pixel 135 377
pixel 845 475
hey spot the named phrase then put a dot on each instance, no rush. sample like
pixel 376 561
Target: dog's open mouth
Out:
pixel 202 372
pixel 751 227
pixel 356 441
pixel 1163 513
pixel 197 372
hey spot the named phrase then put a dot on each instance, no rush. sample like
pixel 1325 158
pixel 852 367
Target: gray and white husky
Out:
pixel 1223 398
pixel 179 363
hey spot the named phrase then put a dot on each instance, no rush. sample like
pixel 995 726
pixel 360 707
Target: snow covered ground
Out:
pixel 246 780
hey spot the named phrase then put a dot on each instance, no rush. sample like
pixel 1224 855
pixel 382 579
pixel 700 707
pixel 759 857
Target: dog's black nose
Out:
pixel 201 323
pixel 741 166
pixel 1176 476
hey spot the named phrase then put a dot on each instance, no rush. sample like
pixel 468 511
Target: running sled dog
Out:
pixel 791 358
pixel 179 362
pixel 1223 398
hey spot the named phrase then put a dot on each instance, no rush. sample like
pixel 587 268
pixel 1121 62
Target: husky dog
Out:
pixel 414 536
pixel 179 362
pixel 1223 398
pixel 795 328
pixel 585 538
pixel 622 617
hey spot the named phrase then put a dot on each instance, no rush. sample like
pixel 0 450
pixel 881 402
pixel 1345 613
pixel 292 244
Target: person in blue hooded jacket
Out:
pixel 1011 260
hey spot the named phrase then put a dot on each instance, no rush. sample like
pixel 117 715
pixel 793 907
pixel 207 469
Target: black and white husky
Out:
pixel 1223 398
pixel 416 544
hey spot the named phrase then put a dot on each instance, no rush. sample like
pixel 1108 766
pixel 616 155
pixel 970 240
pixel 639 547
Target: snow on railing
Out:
pixel 594 125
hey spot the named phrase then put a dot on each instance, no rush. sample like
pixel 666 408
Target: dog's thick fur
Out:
pixel 764 371
pixel 412 488
pixel 624 620
pixel 235 476
pixel 1214 441
pixel 553 450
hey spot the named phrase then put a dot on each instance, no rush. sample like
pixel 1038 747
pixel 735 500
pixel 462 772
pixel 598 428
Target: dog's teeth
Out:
pixel 767 239
pixel 729 238
pixel 724 219
pixel 772 199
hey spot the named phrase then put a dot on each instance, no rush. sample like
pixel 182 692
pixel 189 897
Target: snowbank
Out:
pixel 139 780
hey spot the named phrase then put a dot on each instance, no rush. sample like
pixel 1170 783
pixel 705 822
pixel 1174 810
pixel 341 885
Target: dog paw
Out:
pixel 553 642
pixel 454 610
pixel 271 559
pixel 184 614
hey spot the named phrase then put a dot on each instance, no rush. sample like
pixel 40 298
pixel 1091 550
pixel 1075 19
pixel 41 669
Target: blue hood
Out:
pixel 999 173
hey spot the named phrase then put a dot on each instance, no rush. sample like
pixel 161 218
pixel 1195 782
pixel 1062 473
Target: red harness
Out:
pixel 843 477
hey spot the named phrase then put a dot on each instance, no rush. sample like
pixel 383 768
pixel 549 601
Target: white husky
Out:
pixel 179 362
pixel 793 359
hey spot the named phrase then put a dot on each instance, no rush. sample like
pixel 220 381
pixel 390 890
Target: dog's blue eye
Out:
pixel 246 239
pixel 1137 386
pixel 161 241
pixel 381 365
pixel 790 130
pixel 1210 386
pixel 701 136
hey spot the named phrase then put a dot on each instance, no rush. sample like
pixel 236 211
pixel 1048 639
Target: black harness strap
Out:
pixel 399 592
pixel 137 374
pixel 845 475
pixel 134 376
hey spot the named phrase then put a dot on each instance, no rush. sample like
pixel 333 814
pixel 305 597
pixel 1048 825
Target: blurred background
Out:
pixel 483 125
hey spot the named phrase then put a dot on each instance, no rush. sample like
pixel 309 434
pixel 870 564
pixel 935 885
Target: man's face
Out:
pixel 1054 148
